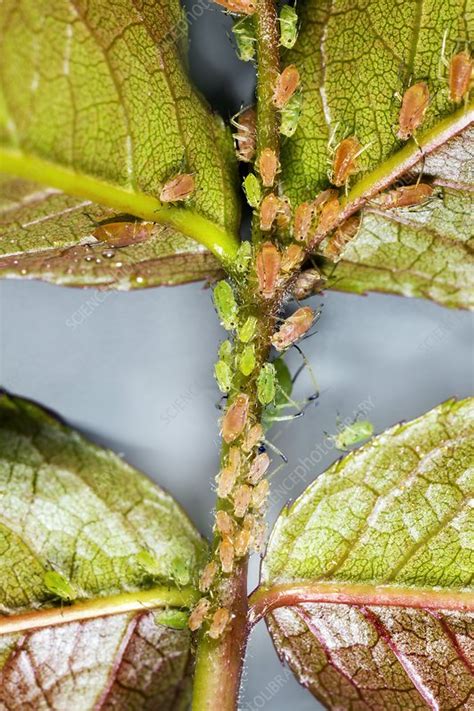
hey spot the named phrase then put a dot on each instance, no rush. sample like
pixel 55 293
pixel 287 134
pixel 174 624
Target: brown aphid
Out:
pixel 225 524
pixel 242 542
pixel 405 196
pixel 414 104
pixel 291 257
pixel 268 269
pixel 328 216
pixel 307 283
pixel 235 418
pixel 460 75
pixel 225 482
pixel 286 85
pixel 293 328
pixel 207 576
pixel 304 214
pixel 178 188
pixel 268 211
pixel 242 498
pixel 122 234
pixel 199 614
pixel 259 494
pixel 238 7
pixel 342 236
pixel 283 217
pixel 345 161
pixel 246 136
pixel 226 555
pixel 253 438
pixel 219 622
pixel 268 167
pixel 258 468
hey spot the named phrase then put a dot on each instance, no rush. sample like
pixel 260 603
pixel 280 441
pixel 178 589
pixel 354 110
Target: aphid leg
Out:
pixel 307 364
pixel 443 62
pixel 286 418
pixel 275 471
pixel 275 449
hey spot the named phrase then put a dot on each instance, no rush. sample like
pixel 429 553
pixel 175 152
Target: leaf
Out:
pixel 353 62
pixel 367 580
pixel 95 101
pixel 71 507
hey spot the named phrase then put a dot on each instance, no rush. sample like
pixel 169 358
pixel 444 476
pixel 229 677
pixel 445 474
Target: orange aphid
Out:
pixel 268 269
pixel 242 498
pixel 286 85
pixel 414 104
pixel 260 493
pixel 178 188
pixel 283 217
pixel 242 542
pixel 303 217
pixel 246 137
pixel 207 576
pixel 239 7
pixel 405 196
pixel 328 216
pixel 226 481
pixel 342 236
pixel 460 74
pixel 258 468
pixel 306 284
pixel 345 160
pixel 219 622
pixel 293 328
pixel 253 438
pixel 268 211
pixel 198 614
pixel 226 555
pixel 224 523
pixel 292 256
pixel 235 418
pixel 122 234
pixel 268 166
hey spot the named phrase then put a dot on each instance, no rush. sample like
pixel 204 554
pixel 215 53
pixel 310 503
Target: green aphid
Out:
pixel 225 351
pixel 244 33
pixel 248 329
pixel 288 26
pixel 223 375
pixel 180 572
pixel 244 255
pixel 148 563
pixel 226 305
pixel 247 360
pixel 290 115
pixel 354 433
pixel 266 384
pixel 59 586
pixel 284 387
pixel 174 619
pixel 252 190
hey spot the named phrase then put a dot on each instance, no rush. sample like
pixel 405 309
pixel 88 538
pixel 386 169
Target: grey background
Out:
pixel 135 373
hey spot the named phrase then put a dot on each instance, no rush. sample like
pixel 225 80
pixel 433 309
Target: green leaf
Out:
pixel 367 580
pixel 353 62
pixel 75 518
pixel 95 101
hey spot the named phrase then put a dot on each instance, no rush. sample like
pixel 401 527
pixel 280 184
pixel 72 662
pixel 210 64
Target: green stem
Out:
pixel 268 54
pixel 222 244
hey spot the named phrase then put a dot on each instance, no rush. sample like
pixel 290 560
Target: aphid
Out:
pixel 225 524
pixel 252 190
pixel 199 614
pixel 286 85
pixel 290 115
pixel 292 256
pixel 268 211
pixel 268 269
pixel 259 494
pixel 307 283
pixel 235 418
pixel 266 384
pixel 405 196
pixel 149 563
pixel 174 619
pixel 244 33
pixel 242 498
pixel 259 530
pixel 293 328
pixel 239 7
pixel 207 576
pixel 247 360
pixel 414 104
pixel 248 329
pixel 59 586
pixel 345 161
pixel 228 475
pixel 246 137
pixel 225 351
pixel 226 555
pixel 122 234
pixel 283 216
pixel 219 622
pixel 342 236
pixel 353 433
pixel 328 216
pixel 304 214
pixel 223 375
pixel 181 187
pixel 460 74
pixel 268 166
pixel 258 468
pixel 226 305
pixel 242 542
pixel 244 255
pixel 288 26
pixel 180 571
pixel 253 438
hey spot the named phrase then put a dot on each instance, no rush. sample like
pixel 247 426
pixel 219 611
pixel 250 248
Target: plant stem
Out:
pixel 268 55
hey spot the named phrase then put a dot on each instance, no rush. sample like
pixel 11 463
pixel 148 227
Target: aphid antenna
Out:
pixel 442 59
pixel 287 418
pixel 275 449
pixel 332 137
